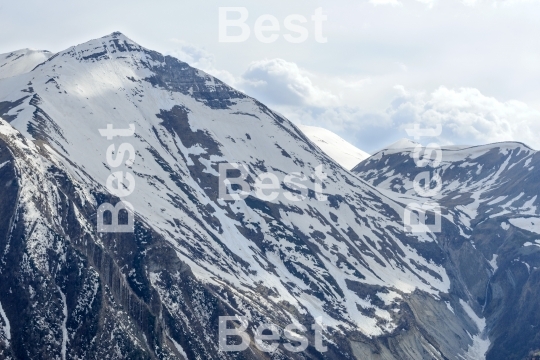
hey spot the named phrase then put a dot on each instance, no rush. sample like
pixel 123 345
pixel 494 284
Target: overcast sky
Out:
pixel 472 65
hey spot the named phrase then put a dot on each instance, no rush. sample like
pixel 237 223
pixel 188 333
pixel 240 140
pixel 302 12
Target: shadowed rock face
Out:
pixel 68 291
pixel 491 193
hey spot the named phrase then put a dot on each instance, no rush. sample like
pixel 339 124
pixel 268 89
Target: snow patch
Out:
pixel 179 348
pixel 449 307
pixel 64 322
pixel 480 346
pixel 531 224
pixel 493 262
pixel 6 327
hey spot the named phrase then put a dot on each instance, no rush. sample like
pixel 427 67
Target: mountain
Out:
pixel 327 249
pixel 400 144
pixel 342 152
pixel 491 193
pixel 21 61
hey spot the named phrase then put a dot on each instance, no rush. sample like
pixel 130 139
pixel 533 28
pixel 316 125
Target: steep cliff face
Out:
pixel 491 193
pixel 335 255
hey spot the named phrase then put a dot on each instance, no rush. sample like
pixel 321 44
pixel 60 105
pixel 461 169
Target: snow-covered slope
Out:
pixel 343 152
pixel 21 61
pixel 482 177
pixel 339 257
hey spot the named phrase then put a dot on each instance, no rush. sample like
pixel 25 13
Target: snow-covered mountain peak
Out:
pixel 113 40
pixel 113 46
pixel 21 61
pixel 401 144
pixel 343 152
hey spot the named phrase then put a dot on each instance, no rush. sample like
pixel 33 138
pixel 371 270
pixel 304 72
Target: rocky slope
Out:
pixel 491 193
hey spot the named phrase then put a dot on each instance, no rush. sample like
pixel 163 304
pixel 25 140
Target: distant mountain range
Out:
pixel 333 252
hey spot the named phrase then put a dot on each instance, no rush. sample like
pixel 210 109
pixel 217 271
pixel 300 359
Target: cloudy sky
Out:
pixel 471 65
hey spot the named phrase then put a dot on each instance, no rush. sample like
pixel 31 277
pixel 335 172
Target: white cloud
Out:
pixel 431 3
pixel 468 116
pixel 496 3
pixel 282 82
pixel 386 2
